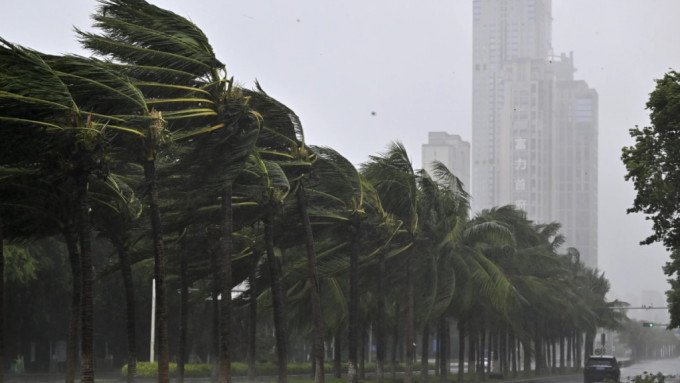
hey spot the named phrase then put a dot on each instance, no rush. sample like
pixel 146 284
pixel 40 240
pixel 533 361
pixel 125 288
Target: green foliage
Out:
pixel 652 165
pixel 150 370
pixel 653 161
pixel 649 378
pixel 672 270
pixel 20 264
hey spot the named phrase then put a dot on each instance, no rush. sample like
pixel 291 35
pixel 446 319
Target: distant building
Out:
pixel 534 133
pixel 450 150
pixel 575 174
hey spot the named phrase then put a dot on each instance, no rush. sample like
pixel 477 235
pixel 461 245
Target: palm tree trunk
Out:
pixel 216 289
pixel 2 305
pixel 183 316
pixel 471 353
pixel 439 371
pixel 502 351
pixel 526 348
pixel 461 350
pixel 71 237
pixel 353 304
pixel 337 351
pixel 482 343
pixel 569 349
pixel 126 272
pixel 445 345
pixel 493 351
pixel 488 353
pixel 562 366
pixel 362 352
pixel 225 303
pixel 277 299
pixel 590 339
pixel 252 325
pixel 424 353
pixel 508 352
pixel 538 350
pixel 395 344
pixel 552 345
pixel 159 273
pixel 578 346
pixel 87 320
pixel 312 359
pixel 513 353
pixel 410 338
pixel 380 330
pixel 314 281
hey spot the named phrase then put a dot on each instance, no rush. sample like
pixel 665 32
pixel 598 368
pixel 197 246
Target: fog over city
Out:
pixel 361 74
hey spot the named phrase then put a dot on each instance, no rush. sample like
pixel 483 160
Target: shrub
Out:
pixel 150 370
pixel 649 378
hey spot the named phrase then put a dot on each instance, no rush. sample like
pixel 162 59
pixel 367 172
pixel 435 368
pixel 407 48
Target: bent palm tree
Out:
pixel 115 214
pixel 395 180
pixel 171 60
pixel 71 101
pixel 349 200
pixel 282 140
pixel 265 184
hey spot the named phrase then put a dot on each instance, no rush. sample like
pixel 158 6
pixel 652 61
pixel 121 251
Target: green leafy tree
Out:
pixel 652 165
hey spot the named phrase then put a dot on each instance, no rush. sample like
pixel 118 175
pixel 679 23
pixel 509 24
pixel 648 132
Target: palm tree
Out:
pixel 19 171
pixel 2 305
pixel 355 208
pixel 266 180
pixel 481 286
pixel 526 247
pixel 395 180
pixel 345 204
pixel 50 94
pixel 443 212
pixel 282 140
pixel 434 213
pixel 39 207
pixel 114 215
pixel 21 185
pixel 172 61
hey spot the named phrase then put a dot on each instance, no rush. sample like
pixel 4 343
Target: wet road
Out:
pixel 668 367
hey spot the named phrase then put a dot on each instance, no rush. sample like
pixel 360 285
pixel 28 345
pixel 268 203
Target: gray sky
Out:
pixel 336 62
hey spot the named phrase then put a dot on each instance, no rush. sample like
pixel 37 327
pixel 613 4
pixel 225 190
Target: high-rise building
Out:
pixel 450 150
pixel 534 133
pixel 508 35
pixel 574 162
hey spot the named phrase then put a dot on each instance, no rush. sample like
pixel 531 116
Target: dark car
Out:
pixel 601 367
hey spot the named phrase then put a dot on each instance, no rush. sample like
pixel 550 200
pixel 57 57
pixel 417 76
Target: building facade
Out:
pixel 450 150
pixel 534 134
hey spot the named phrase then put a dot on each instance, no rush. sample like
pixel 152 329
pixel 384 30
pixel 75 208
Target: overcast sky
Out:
pixel 361 74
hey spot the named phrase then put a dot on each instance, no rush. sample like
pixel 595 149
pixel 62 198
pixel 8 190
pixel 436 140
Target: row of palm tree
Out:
pixel 151 146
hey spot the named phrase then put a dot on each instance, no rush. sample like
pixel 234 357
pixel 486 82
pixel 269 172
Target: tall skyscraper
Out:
pixel 450 150
pixel 534 136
